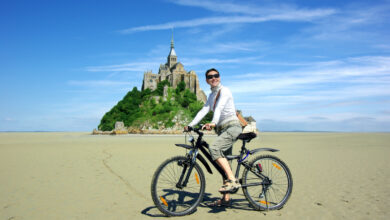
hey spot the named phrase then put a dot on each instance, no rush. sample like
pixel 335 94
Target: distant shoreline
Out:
pixel 183 133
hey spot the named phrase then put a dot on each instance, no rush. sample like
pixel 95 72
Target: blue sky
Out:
pixel 292 65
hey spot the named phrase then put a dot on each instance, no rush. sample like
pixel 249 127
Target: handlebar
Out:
pixel 195 129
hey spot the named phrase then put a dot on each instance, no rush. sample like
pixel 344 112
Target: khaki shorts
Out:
pixel 223 144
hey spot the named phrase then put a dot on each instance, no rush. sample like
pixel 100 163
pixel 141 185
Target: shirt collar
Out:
pixel 216 88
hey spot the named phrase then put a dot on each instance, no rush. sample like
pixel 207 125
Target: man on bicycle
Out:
pixel 227 125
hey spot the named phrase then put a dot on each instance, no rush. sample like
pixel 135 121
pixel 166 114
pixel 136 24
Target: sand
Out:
pixel 80 176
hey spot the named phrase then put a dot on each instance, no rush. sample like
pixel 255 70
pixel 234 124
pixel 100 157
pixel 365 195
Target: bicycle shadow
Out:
pixel 149 209
pixel 237 204
pixel 153 211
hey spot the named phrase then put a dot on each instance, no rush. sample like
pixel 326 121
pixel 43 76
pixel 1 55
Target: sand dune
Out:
pixel 80 176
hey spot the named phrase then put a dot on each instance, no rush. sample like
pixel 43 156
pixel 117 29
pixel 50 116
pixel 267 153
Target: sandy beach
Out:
pixel 67 175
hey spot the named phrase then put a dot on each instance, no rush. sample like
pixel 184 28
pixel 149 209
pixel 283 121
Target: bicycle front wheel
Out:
pixel 171 194
pixel 269 183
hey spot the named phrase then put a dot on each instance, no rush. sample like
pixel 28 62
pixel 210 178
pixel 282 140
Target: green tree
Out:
pixel 140 107
pixel 160 87
pixel 146 93
pixel 195 108
pixel 180 87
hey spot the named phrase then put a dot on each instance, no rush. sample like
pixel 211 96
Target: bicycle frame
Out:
pixel 203 147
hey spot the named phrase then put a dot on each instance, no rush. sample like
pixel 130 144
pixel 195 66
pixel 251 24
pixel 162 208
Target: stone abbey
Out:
pixel 175 73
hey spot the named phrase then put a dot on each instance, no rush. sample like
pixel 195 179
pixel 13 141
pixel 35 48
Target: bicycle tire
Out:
pixel 278 192
pixel 171 200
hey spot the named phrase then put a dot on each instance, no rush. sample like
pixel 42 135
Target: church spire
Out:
pixel 172 58
pixel 172 43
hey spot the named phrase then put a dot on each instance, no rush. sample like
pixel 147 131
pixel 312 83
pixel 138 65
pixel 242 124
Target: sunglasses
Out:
pixel 213 76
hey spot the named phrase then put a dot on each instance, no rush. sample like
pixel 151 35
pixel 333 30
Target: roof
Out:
pixel 172 52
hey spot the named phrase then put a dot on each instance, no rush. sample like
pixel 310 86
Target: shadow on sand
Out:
pixel 237 204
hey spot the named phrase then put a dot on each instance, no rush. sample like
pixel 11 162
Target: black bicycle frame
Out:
pixel 203 147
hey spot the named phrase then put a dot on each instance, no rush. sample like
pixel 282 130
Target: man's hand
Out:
pixel 208 126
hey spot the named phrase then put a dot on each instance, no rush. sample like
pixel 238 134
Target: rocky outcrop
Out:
pixel 120 128
pixel 99 132
pixel 145 129
pixel 179 121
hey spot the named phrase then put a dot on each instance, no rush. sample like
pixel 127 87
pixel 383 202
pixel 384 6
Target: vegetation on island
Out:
pixel 149 109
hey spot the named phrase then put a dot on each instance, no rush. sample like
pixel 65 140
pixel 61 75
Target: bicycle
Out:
pixel 178 184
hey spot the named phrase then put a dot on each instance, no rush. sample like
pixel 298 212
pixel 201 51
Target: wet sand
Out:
pixel 81 176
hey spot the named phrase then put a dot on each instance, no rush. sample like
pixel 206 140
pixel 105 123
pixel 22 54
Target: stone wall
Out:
pixel 150 81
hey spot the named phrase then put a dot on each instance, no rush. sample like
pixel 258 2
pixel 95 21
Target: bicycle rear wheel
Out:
pixel 173 199
pixel 271 192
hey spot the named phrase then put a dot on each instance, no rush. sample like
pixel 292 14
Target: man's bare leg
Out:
pixel 224 164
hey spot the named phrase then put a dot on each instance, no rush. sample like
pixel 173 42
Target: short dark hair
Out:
pixel 212 69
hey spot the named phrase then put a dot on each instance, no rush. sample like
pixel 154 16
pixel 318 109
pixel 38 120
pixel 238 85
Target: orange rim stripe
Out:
pixel 164 201
pixel 277 167
pixel 197 178
pixel 264 202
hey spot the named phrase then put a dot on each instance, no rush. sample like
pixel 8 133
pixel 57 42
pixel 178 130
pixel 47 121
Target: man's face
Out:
pixel 211 78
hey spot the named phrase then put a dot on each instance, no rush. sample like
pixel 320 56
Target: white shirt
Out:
pixel 224 108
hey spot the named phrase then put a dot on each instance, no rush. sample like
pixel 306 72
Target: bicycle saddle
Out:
pixel 246 136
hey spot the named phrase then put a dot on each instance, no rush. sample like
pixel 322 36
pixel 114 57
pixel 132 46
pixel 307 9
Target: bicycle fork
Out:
pixel 188 164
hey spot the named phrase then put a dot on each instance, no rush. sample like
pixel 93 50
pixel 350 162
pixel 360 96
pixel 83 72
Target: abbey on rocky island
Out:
pixel 175 73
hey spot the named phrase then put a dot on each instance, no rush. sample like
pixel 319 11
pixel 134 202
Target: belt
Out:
pixel 227 124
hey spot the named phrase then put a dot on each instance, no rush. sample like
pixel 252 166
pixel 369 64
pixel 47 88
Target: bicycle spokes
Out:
pixel 177 187
pixel 268 182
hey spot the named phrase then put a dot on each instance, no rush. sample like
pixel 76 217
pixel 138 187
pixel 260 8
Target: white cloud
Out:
pixel 8 119
pixel 216 33
pixel 359 23
pixel 231 47
pixel 198 61
pixel 289 15
pixel 221 6
pixel 229 7
pixel 344 90
pixel 215 61
pixel 99 83
pixel 348 71
pixel 133 67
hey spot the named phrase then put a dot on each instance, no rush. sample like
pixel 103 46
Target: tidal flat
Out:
pixel 76 175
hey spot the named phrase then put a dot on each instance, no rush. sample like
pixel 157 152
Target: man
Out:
pixel 227 126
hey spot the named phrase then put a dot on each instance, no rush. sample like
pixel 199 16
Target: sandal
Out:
pixel 221 203
pixel 230 186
